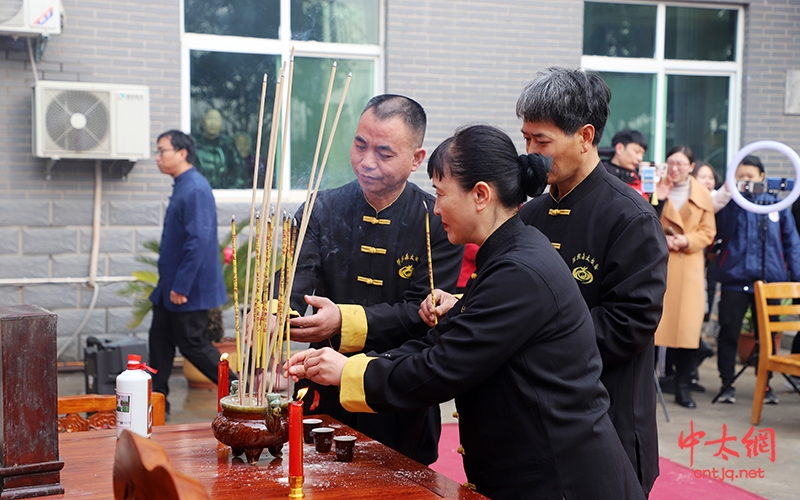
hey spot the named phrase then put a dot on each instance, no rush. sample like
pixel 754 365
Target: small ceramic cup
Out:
pixel 323 438
pixel 344 448
pixel 310 424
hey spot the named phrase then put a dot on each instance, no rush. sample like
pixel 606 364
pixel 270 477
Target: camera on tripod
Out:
pixel 772 185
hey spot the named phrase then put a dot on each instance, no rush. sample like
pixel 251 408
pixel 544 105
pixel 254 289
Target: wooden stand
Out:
pixel 29 460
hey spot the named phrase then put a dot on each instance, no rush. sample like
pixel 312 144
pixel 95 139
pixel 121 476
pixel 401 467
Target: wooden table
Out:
pixel 375 472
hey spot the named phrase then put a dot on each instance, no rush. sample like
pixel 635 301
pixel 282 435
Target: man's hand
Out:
pixel 177 298
pixel 444 302
pixel 322 325
pixel 323 366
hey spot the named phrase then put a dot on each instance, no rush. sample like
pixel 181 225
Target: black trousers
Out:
pixel 685 362
pixel 183 330
pixel 732 308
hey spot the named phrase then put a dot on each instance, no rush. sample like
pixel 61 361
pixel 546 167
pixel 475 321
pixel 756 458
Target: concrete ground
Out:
pixel 778 480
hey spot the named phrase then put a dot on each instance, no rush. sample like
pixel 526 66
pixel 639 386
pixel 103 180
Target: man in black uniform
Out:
pixel 612 241
pixel 365 261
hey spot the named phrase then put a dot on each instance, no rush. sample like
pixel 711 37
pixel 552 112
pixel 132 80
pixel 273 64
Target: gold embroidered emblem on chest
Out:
pixel 582 266
pixel 406 265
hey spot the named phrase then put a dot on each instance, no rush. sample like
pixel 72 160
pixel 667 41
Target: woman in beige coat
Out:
pixel 688 219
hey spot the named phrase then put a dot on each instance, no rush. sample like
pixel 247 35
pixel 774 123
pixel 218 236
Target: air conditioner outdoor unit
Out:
pixel 91 121
pixel 30 17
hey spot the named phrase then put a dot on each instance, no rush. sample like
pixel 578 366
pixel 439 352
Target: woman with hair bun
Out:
pixel 517 352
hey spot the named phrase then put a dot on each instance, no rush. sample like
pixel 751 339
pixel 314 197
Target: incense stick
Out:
pixel 249 328
pixel 286 121
pixel 236 297
pixel 430 260
pixel 253 203
pixel 319 137
pixel 307 211
pixel 271 153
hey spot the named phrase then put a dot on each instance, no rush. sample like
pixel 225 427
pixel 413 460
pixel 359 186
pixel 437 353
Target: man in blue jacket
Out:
pixel 190 276
pixel 754 247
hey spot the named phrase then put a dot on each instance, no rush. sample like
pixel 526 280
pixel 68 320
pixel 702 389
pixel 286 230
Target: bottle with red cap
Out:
pixel 134 398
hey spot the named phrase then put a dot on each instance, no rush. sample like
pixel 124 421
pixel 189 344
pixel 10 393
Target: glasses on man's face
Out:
pixel 159 152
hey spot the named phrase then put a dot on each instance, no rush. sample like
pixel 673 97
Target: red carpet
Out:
pixel 676 482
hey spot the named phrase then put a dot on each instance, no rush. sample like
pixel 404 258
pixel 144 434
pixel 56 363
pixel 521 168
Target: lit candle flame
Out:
pixel 301 393
pixel 224 356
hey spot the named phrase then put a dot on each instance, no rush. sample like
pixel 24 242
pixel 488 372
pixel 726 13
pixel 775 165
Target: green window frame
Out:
pixel 226 48
pixel 675 73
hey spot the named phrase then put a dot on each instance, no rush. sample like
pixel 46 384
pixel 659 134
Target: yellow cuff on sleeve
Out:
pixel 351 390
pixel 354 328
pixel 273 309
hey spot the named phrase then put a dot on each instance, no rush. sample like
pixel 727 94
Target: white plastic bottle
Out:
pixel 134 398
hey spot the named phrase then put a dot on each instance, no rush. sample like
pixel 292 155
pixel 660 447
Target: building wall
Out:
pixel 46 225
pixel 772 35
pixel 466 61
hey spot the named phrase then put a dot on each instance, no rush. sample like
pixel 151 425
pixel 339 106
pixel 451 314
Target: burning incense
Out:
pixel 430 260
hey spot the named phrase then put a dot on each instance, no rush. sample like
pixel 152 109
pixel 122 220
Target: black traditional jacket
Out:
pixel 614 245
pixel 374 266
pixel 518 353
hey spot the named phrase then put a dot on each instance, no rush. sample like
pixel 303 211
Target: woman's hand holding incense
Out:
pixel 444 302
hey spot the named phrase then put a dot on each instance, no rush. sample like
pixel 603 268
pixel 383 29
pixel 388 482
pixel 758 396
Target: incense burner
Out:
pixel 249 429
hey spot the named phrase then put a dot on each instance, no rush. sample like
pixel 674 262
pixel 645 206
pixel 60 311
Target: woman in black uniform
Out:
pixel 517 352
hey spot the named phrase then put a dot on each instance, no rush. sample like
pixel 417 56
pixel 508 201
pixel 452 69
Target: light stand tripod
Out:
pixel 752 359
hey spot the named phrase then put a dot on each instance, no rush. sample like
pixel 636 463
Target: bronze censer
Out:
pixel 249 428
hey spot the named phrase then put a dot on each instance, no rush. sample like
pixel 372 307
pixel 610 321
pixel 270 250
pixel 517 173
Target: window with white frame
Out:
pixel 227 47
pixel 674 73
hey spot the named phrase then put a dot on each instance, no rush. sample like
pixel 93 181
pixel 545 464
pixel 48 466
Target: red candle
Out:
pixel 295 438
pixel 223 385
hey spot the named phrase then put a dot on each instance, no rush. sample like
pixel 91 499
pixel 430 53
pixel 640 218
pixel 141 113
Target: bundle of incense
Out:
pixel 249 325
pixel 248 368
pixel 263 336
pixel 284 302
pixel 253 202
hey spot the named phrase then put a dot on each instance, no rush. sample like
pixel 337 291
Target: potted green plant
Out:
pixel 147 279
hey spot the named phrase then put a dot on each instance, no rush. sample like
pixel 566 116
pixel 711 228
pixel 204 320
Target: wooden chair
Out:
pixel 142 471
pixel 103 407
pixel 786 320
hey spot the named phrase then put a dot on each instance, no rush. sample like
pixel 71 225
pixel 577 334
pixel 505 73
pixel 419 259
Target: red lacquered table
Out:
pixel 375 472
